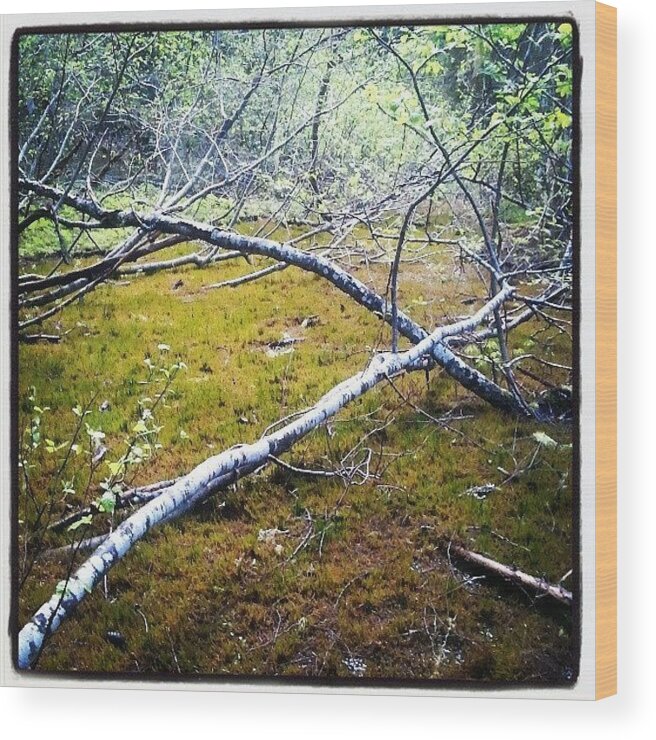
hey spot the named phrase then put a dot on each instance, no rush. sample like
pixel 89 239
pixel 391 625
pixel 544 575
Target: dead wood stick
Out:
pixel 63 553
pixel 35 338
pixel 512 574
pixel 234 282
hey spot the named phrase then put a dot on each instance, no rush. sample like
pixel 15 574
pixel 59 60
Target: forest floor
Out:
pixel 288 574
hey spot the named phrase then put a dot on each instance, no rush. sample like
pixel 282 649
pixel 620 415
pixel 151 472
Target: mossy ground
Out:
pixel 373 593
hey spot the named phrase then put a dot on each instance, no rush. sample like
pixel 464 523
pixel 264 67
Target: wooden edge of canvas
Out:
pixel 606 351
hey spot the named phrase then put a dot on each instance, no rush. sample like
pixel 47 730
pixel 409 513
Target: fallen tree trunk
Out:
pixel 467 376
pixel 216 472
pixel 512 574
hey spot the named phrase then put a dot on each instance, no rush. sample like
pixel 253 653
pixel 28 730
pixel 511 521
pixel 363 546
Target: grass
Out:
pixel 372 594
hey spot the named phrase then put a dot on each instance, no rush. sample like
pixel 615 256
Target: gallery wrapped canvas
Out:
pixel 304 315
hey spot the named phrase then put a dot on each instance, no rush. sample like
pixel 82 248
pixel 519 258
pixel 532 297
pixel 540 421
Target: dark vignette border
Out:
pixel 292 681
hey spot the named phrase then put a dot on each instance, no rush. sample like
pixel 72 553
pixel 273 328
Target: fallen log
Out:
pixel 440 353
pixel 220 470
pixel 512 574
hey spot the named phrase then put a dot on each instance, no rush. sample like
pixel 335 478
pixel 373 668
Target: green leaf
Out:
pixel 545 440
pixel 563 119
pixel 107 502
pixel 140 427
pixel 116 468
pixel 95 434
pixel 82 522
